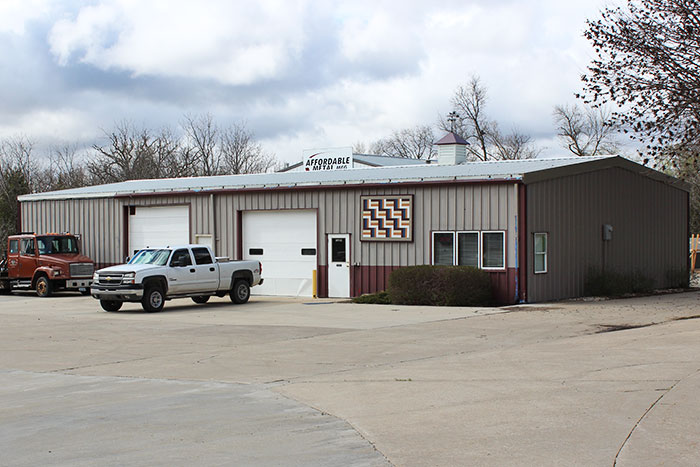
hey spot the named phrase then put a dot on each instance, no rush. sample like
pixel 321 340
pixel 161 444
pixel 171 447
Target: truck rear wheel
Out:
pixel 240 293
pixel 110 305
pixel 43 287
pixel 153 299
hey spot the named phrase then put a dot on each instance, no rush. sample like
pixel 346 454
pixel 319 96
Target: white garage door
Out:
pixel 285 243
pixel 159 226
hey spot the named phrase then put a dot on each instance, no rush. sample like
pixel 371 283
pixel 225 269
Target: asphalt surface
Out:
pixel 315 382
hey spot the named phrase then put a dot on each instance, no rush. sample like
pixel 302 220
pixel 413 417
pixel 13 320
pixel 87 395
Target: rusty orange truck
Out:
pixel 45 263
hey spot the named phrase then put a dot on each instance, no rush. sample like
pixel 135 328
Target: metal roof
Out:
pixel 483 171
pixel 452 138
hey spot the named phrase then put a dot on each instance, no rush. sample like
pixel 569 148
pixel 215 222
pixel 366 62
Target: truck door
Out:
pixel 13 258
pixel 206 275
pixel 181 273
pixel 27 258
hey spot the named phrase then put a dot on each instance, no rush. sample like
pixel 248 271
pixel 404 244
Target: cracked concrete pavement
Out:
pixel 315 382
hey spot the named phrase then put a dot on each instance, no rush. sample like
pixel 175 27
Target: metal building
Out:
pixel 538 226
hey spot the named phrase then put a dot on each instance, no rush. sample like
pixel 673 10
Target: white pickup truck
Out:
pixel 155 275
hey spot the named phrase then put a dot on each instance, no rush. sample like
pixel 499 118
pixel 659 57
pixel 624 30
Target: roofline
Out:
pixel 455 181
pixel 600 164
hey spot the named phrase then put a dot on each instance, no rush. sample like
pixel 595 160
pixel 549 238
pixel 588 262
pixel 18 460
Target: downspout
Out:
pixel 18 218
pixel 212 224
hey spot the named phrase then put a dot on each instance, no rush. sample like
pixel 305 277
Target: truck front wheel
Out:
pixel 240 293
pixel 43 286
pixel 110 305
pixel 153 299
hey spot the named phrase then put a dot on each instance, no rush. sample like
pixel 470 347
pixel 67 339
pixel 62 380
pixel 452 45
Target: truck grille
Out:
pixel 82 269
pixel 110 279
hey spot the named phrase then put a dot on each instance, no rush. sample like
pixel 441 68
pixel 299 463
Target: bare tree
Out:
pixel 359 147
pixel 588 132
pixel 469 120
pixel 64 170
pixel 410 143
pixel 202 136
pixel 240 154
pixel 513 146
pixel 17 173
pixel 128 156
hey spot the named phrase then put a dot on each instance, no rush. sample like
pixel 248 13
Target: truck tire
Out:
pixel 110 305
pixel 240 292
pixel 201 299
pixel 5 287
pixel 43 287
pixel 153 299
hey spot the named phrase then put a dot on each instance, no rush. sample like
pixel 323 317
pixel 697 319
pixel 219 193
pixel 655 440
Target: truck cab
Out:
pixel 46 263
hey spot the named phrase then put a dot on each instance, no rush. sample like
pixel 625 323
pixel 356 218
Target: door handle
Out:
pixel 212 269
pixel 191 270
pixel 338 265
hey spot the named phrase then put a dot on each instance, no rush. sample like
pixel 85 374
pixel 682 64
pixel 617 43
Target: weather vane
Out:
pixel 452 117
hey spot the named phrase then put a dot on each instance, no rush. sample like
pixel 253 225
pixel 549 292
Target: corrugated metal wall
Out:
pixel 474 206
pixel 436 207
pixel 649 219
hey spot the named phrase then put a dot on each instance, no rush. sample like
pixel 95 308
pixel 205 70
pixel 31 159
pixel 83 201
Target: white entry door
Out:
pixel 339 265
pixel 285 243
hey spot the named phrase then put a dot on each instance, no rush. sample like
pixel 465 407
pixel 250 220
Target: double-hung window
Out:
pixel 444 248
pixel 540 240
pixel 493 250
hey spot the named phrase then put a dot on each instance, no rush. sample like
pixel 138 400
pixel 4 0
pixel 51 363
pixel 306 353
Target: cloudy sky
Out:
pixel 300 73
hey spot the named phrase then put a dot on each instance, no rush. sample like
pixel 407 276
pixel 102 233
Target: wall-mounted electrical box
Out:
pixel 607 232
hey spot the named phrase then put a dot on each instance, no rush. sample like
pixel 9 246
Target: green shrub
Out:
pixel 440 286
pixel 380 298
pixel 611 284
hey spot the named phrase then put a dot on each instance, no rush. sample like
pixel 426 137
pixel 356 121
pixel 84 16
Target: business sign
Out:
pixel 327 159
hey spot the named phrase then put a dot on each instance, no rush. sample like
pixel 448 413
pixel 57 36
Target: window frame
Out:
pixel 196 258
pixel 432 245
pixel 545 253
pixel 481 250
pixel 455 261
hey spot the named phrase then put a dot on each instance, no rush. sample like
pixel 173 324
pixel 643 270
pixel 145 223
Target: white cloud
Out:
pixel 14 14
pixel 303 73
pixel 218 40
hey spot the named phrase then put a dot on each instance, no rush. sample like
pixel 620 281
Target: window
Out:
pixel 477 249
pixel 181 258
pixel 308 251
pixel 28 246
pixel 255 251
pixel 443 248
pixel 157 257
pixel 468 249
pixel 201 256
pixel 493 245
pixel 338 250
pixel 14 246
pixel 540 249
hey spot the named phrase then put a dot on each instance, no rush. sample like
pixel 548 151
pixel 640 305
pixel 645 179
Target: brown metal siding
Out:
pixel 649 219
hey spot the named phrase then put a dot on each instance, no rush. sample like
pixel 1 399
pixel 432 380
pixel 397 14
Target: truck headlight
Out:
pixel 129 278
pixel 95 278
pixel 56 272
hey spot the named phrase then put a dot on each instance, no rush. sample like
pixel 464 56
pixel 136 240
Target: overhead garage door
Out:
pixel 159 226
pixel 285 243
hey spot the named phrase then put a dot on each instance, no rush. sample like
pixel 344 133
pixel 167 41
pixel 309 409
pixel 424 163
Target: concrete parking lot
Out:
pixel 316 382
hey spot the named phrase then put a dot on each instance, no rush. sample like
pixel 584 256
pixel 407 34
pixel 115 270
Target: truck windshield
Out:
pixel 52 245
pixel 157 257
